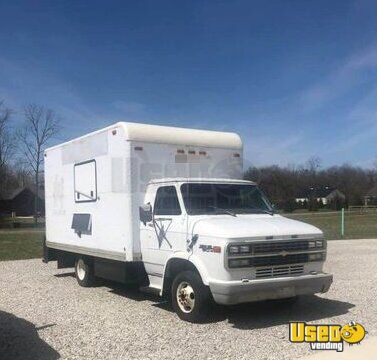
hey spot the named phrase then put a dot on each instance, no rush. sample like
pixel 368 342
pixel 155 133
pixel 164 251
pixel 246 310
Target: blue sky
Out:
pixel 295 78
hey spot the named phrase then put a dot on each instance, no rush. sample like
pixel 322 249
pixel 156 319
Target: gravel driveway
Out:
pixel 45 314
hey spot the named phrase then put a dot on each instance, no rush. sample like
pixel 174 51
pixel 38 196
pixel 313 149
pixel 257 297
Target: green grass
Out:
pixel 357 226
pixel 20 244
pixel 25 243
pixel 20 222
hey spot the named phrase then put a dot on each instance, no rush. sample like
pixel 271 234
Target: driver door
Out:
pixel 166 233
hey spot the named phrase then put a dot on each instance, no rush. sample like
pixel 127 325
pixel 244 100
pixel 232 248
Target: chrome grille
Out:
pixel 275 253
pixel 272 247
pixel 277 271
pixel 278 259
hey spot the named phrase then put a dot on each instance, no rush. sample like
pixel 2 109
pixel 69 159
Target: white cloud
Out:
pixel 340 81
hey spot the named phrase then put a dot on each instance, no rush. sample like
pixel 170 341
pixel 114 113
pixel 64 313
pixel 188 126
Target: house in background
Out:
pixel 326 195
pixel 371 196
pixel 21 202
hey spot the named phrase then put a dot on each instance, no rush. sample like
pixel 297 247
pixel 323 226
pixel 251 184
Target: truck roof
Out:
pixel 200 180
pixel 170 135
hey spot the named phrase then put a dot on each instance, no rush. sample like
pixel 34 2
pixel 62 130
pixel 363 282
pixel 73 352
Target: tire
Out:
pixel 191 299
pixel 84 272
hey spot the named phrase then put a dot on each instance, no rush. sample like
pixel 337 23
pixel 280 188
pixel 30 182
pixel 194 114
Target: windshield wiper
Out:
pixel 269 212
pixel 225 211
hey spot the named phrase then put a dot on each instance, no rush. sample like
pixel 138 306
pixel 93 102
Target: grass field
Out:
pixel 27 243
pixel 21 244
pixel 357 226
pixel 20 222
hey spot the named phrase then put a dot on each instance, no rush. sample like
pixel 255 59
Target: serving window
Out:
pixel 85 181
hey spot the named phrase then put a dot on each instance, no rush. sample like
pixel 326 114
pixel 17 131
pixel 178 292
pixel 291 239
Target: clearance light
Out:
pixel 138 148
pixel 180 151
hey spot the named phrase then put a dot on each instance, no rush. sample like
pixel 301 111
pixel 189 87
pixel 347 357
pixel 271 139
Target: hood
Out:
pixel 251 226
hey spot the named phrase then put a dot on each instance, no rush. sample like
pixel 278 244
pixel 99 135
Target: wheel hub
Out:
pixel 185 297
pixel 81 269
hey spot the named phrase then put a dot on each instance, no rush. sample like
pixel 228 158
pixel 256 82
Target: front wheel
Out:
pixel 84 272
pixel 190 297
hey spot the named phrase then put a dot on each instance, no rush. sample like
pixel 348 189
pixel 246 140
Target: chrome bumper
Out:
pixel 235 292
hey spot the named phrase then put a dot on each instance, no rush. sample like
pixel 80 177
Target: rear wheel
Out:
pixel 190 297
pixel 84 272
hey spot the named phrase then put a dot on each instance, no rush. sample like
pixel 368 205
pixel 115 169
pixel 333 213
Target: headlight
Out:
pixel 316 244
pixel 316 257
pixel 239 249
pixel 319 243
pixel 234 249
pixel 234 263
pixel 244 248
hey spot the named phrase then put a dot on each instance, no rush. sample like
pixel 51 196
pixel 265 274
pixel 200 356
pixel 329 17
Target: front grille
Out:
pixel 277 271
pixel 275 253
pixel 278 246
pixel 268 260
pixel 278 260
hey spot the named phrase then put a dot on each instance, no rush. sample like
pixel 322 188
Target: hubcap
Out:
pixel 185 297
pixel 81 269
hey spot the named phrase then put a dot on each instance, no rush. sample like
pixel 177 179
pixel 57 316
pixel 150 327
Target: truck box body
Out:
pixel 95 184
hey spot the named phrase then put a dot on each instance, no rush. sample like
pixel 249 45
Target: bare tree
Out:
pixel 6 142
pixel 313 164
pixel 40 126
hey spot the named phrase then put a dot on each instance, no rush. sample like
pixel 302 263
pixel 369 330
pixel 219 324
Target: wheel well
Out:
pixel 174 267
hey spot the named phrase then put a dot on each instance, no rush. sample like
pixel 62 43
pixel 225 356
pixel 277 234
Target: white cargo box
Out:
pixel 96 183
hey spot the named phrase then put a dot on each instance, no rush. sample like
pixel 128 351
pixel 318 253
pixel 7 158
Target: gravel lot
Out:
pixel 45 314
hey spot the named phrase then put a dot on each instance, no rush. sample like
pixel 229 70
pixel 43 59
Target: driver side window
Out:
pixel 166 202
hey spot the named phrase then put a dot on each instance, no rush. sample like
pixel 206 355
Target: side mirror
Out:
pixel 145 213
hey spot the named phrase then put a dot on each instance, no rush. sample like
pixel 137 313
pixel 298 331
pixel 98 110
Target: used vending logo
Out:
pixel 326 337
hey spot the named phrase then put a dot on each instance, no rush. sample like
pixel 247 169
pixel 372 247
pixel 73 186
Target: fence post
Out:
pixel 342 224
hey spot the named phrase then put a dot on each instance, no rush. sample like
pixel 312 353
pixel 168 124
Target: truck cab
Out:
pixel 220 239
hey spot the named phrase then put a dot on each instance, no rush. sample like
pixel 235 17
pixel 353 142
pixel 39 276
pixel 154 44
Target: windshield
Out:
pixel 224 198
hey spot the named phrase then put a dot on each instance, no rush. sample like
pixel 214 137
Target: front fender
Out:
pixel 190 258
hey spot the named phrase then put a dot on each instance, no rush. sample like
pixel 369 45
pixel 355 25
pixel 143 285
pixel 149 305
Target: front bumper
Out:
pixel 235 292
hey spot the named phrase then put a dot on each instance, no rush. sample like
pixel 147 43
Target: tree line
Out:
pixel 283 184
pixel 22 146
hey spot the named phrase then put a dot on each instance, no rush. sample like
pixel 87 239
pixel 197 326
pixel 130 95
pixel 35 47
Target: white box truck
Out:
pixel 166 208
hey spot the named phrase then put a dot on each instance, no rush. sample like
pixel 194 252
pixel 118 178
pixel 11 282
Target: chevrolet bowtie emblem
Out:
pixel 283 253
